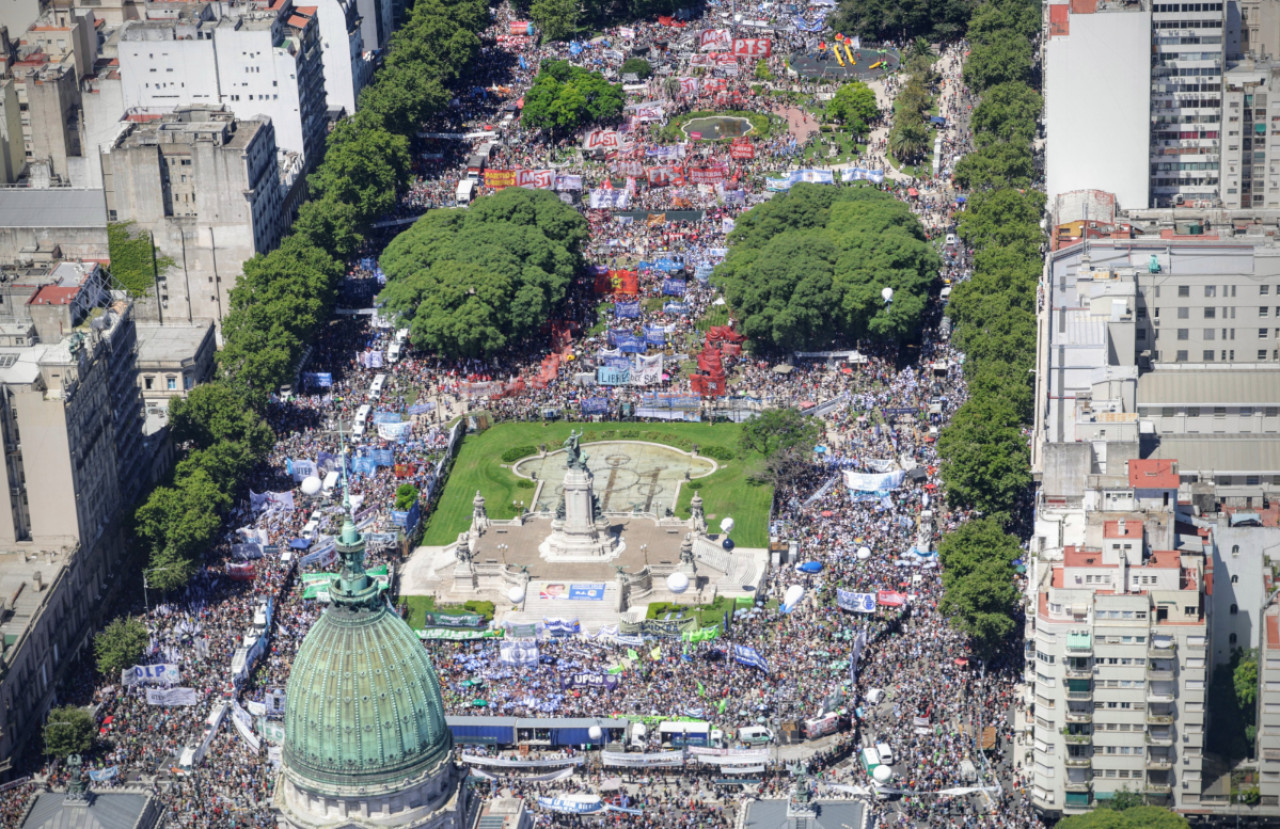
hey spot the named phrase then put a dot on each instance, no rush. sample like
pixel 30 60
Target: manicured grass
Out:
pixel 479 467
pixel 764 125
pixel 708 614
pixel 420 606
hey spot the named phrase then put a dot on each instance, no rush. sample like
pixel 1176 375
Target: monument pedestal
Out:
pixel 579 532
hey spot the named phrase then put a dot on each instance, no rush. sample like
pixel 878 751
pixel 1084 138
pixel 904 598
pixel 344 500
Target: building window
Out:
pixel 1180 357
pixel 1234 610
pixel 171 383
pixel 1235 579
pixel 1184 290
pixel 1263 290
pixel 150 381
pixel 1184 333
pixel 1231 639
pixel 1210 290
pixel 1208 355
pixel 1262 311
pixel 1184 313
pixel 1210 313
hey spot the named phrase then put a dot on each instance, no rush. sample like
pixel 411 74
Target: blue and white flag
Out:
pixel 855 602
pixel 749 656
pixel 518 652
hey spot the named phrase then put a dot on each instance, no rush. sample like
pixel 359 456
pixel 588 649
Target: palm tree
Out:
pixel 909 140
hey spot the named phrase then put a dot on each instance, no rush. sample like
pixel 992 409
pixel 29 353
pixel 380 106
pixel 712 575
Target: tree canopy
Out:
pixel 903 19
pixel 69 730
pixel 469 283
pixel 557 19
pixel 120 644
pixel 807 269
pixel 854 105
pixel 1135 817
pixel 564 97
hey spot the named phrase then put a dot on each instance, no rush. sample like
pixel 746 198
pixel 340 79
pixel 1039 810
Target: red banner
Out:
pixel 602 140
pixel 752 47
pixel 713 39
pixel 498 179
pixel 708 175
pixel 535 179
pixel 889 598
pixel 659 177
pixel 714 85
pixel 241 571
pixel 742 150
pixel 625 283
pixel 521 27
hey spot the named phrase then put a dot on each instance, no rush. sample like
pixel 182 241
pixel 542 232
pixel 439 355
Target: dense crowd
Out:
pixel 935 694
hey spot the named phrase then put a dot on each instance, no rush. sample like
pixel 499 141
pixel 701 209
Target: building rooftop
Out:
pixel 25 582
pixel 1122 529
pixel 53 208
pixel 171 343
pixel 1225 454
pixel 105 810
pixel 829 814
pixel 1221 387
pixel 1153 474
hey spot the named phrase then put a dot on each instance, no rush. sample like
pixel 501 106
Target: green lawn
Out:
pixel 479 466
pixel 420 606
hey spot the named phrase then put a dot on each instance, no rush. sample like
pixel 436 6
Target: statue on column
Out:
pixel 574 459
pixel 697 518
pixel 479 515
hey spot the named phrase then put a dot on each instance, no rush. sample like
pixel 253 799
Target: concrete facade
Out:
pixel 259 62
pixel 208 187
pixel 1098 61
pixel 348 66
pixel 1251 145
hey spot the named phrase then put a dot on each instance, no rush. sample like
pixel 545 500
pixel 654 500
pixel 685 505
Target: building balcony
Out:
pixel 1159 719
pixel 1080 696
pixel 1160 675
pixel 1079 673
pixel 1160 738
pixel 1159 695
pixel 1159 763
pixel 1077 785
pixel 1158 789
pixel 1162 650
pixel 1079 716
pixel 1079 761
pixel 1078 739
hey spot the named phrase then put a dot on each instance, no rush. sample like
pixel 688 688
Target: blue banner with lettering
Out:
pixel 595 405
pixel 678 308
pixel 673 287
pixel 386 417
pixel 655 335
pixel 318 379
pixel 627 310
pixel 609 376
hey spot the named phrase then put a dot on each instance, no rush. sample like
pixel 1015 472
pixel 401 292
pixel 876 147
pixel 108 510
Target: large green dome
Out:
pixel 363 707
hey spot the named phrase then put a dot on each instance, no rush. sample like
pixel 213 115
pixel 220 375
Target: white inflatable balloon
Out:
pixel 516 594
pixel 882 774
pixel 677 583
pixel 864 553
pixel 310 485
pixel 887 293
pixel 793 595
pixel 726 526
pixel 595 733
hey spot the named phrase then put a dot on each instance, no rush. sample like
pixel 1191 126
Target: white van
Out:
pixel 310 529
pixel 755 735
pixel 375 388
pixel 886 753
pixel 870 759
pixel 393 352
pixel 362 416
pixel 874 696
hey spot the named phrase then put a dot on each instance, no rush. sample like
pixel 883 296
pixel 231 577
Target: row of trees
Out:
pixel 471 282
pixel 283 297
pixel 808 269
pixel 986 463
pixel 911 138
pixel 902 20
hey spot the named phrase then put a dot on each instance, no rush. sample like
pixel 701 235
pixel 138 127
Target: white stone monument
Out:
pixel 580 531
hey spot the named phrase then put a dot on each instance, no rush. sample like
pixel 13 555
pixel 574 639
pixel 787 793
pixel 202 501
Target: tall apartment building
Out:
pixel 208 187
pixel 1251 135
pixel 348 63
pixel 70 425
pixel 1119 658
pixel 257 60
pixel 1186 101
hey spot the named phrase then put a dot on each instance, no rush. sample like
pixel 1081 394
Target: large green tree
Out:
pixel 1007 113
pixel 120 645
pixel 217 412
pixel 985 460
pixel 973 544
pixel 995 166
pixel 470 283
pixel 565 97
pixel 780 430
pixel 903 19
pixel 362 168
pixel 69 730
pixel 982 604
pixel 808 268
pixel 854 105
pixel 557 19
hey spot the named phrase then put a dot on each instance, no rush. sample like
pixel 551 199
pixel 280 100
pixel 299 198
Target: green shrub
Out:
pixel 694 485
pixel 525 483
pixel 718 453
pixel 515 453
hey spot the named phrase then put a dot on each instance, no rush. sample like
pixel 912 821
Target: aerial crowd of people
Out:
pixel 934 696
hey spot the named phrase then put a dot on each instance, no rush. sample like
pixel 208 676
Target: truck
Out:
pixel 466 192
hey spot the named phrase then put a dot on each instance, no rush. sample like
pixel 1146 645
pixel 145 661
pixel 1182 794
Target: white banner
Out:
pixel 518 652
pixel 865 482
pixel 149 675
pixel 244 724
pixel 171 696
pixel 512 763
pixel 661 759
pixel 648 370
pixel 729 757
